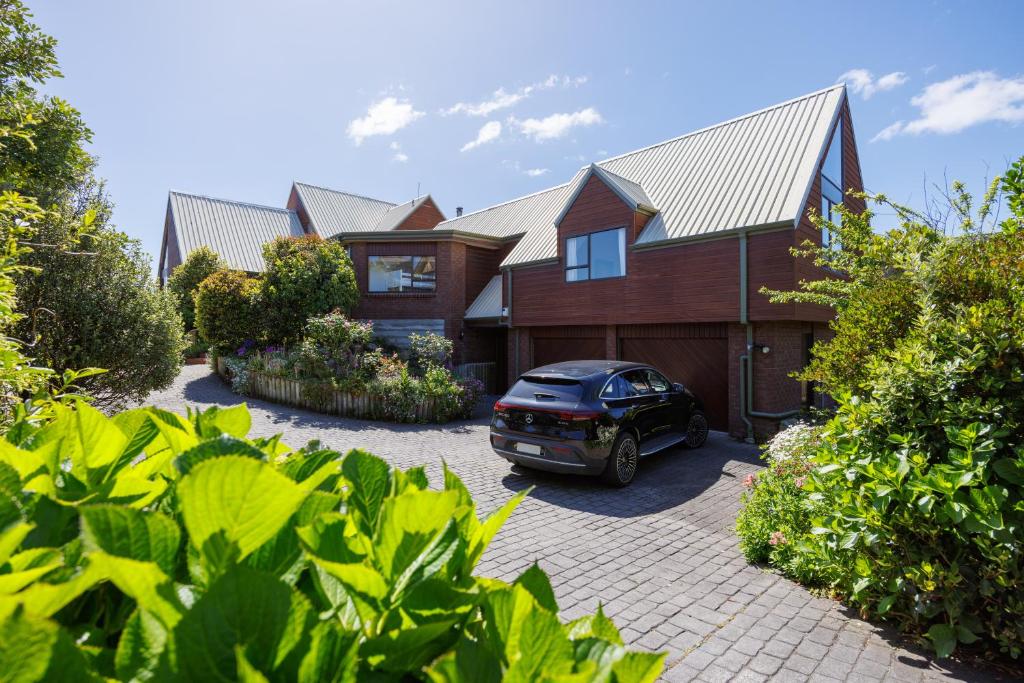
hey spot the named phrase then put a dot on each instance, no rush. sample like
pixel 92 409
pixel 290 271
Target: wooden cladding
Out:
pixel 674 331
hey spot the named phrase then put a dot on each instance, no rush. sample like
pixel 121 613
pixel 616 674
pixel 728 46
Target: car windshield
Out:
pixel 547 389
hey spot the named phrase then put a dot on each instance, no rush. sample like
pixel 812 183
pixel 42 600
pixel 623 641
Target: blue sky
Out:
pixel 479 102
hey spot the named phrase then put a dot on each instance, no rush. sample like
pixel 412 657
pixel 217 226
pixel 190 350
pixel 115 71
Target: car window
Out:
pixel 617 387
pixel 657 381
pixel 547 389
pixel 636 382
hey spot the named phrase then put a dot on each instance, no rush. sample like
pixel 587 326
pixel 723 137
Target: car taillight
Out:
pixel 568 417
pixel 501 408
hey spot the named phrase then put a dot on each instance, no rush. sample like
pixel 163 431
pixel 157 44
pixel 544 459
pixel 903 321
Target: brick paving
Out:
pixel 660 555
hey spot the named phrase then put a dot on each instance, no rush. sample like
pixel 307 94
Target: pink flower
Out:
pixel 748 481
pixel 778 538
pixel 800 481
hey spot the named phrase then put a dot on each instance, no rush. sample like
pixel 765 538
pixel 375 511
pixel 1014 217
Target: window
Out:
pixel 832 186
pixel 402 274
pixel 637 382
pixel 596 256
pixel 657 381
pixel 618 387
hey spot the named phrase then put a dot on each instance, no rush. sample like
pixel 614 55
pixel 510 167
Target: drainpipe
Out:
pixel 508 324
pixel 746 360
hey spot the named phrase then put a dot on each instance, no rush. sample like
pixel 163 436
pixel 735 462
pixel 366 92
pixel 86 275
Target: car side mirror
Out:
pixel 678 388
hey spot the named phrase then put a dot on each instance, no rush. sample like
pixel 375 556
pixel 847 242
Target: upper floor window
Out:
pixel 596 256
pixel 402 273
pixel 832 185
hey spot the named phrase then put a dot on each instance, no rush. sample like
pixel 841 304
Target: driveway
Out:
pixel 660 555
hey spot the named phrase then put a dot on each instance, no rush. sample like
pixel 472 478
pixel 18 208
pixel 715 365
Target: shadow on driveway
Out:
pixel 664 480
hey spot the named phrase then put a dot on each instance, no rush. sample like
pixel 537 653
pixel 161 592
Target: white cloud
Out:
pixel 399 156
pixel 557 125
pixel 488 132
pixel 383 117
pixel 862 82
pixel 960 102
pixel 536 172
pixel 503 99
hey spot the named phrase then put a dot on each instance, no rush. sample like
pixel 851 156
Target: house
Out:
pixel 657 255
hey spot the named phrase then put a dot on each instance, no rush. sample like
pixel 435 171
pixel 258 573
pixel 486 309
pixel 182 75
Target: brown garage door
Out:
pixel 557 349
pixel 702 364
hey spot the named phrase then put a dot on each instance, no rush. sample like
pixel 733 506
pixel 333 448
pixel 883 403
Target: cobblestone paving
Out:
pixel 660 555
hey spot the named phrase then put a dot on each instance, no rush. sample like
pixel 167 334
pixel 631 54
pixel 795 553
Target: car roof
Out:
pixel 583 369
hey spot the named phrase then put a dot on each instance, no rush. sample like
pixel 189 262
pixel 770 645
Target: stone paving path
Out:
pixel 660 555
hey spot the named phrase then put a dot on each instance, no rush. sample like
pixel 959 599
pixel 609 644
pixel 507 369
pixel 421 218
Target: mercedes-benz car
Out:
pixel 594 417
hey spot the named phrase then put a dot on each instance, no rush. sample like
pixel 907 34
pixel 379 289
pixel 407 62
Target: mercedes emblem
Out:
pixel 529 418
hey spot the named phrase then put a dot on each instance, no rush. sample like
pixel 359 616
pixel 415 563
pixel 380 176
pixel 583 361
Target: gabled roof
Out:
pixel 629 192
pixel 332 212
pixel 511 218
pixel 487 304
pixel 235 230
pixel 397 215
pixel 752 171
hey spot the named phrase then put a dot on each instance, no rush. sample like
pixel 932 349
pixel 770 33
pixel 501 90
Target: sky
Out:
pixel 480 102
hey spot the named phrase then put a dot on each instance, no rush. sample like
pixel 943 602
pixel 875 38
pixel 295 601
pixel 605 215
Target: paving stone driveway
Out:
pixel 660 554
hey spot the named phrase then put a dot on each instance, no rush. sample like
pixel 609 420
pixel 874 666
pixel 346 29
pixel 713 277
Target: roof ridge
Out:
pixel 727 122
pixel 230 201
pixel 350 194
pixel 507 201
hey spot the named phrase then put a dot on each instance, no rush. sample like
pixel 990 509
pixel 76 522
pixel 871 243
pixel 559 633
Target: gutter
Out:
pixel 747 358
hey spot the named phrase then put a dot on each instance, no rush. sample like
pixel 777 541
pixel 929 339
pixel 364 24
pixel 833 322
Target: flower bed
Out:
pixel 339 368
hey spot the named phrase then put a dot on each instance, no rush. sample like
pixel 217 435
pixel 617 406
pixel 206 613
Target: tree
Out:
pixel 184 281
pixel 305 276
pixel 227 310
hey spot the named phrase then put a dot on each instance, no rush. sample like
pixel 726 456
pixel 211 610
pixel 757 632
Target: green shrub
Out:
pixel 777 512
pixel 429 349
pixel 228 310
pixel 305 277
pixel 183 282
pixel 915 499
pixel 166 548
pixel 340 341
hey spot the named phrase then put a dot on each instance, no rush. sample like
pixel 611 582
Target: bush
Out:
pixel 305 277
pixel 228 310
pixel 429 349
pixel 201 554
pixel 916 511
pixel 340 341
pixel 777 512
pixel 184 281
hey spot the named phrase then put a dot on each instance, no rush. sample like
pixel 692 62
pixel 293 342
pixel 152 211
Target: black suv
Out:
pixel 594 417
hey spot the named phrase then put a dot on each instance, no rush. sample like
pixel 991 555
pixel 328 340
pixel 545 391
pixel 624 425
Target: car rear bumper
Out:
pixel 555 456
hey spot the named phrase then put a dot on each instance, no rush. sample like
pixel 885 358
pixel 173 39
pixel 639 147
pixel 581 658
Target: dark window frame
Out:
pixel 588 266
pixel 432 289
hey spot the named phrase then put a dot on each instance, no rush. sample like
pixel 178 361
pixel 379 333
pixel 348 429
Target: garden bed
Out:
pixel 325 399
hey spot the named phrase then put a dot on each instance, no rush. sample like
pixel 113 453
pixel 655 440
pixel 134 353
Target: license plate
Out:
pixel 528 448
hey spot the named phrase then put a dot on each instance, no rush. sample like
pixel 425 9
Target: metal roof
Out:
pixel 488 303
pixel 751 171
pixel 332 212
pixel 629 192
pixel 511 218
pixel 235 230
pixel 394 217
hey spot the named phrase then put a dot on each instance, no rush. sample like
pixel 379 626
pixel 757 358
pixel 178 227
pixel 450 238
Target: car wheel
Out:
pixel 696 430
pixel 623 461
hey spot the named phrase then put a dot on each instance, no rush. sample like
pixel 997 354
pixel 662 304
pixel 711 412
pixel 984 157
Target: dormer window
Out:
pixel 596 256
pixel 832 186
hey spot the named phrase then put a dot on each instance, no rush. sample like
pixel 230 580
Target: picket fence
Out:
pixel 333 402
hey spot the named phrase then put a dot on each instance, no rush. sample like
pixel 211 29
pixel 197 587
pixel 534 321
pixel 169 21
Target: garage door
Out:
pixel 702 364
pixel 548 350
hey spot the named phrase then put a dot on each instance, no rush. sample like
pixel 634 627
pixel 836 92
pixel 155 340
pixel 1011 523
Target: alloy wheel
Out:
pixel 626 460
pixel 696 430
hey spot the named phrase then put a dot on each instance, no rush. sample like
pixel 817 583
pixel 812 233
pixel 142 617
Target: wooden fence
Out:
pixel 331 401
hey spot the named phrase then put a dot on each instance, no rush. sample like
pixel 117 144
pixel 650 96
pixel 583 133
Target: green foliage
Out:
pixel 777 510
pixel 184 281
pixel 305 277
pixel 148 546
pixel 228 309
pixel 915 501
pixel 430 349
pixel 95 304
